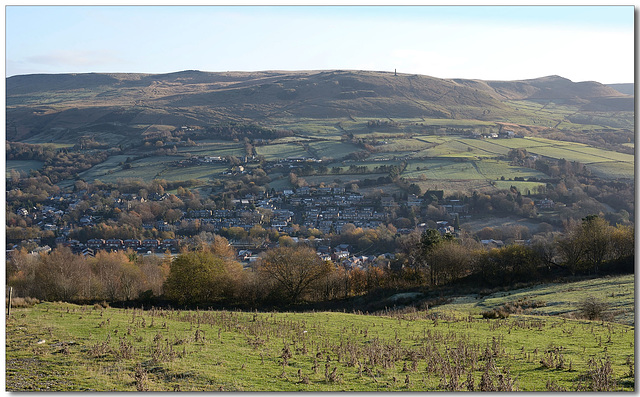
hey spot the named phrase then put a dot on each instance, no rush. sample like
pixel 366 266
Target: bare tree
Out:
pixel 294 269
pixel 60 275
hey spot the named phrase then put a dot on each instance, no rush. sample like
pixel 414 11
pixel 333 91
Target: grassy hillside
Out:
pixel 412 116
pixel 56 346
pixel 78 104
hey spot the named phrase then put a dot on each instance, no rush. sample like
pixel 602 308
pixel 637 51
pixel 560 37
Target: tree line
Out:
pixel 291 274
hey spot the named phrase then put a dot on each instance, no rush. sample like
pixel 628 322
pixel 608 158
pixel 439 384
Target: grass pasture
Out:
pixel 569 154
pixel 202 172
pixel 316 127
pixel 495 169
pixel 453 186
pixel 281 151
pixel 371 165
pixel 483 148
pixel 442 169
pixel 111 170
pixel 64 347
pixel 107 167
pixel 332 149
pixel 404 145
pixel 22 165
pixel 526 188
pixel 214 148
pixel 451 148
pixel 547 114
pixel 315 180
pixel 451 169
pixel 613 169
pixel 562 299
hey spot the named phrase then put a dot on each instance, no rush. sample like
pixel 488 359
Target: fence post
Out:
pixel 9 311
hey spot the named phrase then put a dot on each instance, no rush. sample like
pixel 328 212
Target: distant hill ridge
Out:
pixel 40 102
pixel 625 88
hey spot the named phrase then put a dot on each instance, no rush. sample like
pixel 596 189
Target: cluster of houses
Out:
pixel 340 255
pixel 146 246
pixel 327 209
pixel 503 134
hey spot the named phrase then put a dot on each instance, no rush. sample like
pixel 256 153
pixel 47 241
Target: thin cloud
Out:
pixel 73 58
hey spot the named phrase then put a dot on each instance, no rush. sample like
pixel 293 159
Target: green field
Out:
pixel 404 145
pixel 332 149
pixel 569 154
pixel 111 170
pixel 281 151
pixel 23 165
pixel 558 115
pixel 149 168
pixel 613 169
pixel 452 169
pixel 107 167
pixel 560 299
pixel 545 114
pixel 214 148
pixel 525 188
pixel 203 172
pixel 439 158
pixel 64 347
pixel 316 180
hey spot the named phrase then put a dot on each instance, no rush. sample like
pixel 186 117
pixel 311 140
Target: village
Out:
pixel 322 210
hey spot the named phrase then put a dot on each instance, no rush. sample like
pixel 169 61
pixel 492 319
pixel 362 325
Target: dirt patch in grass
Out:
pixel 29 374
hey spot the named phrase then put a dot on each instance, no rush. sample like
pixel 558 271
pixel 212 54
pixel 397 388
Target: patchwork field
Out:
pixel 428 157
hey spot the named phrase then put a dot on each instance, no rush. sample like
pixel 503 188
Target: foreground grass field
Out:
pixel 57 346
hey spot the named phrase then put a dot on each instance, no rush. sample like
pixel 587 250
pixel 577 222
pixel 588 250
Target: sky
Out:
pixel 581 43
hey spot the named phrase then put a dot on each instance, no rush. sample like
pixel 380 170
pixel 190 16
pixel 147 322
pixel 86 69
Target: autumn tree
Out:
pixel 588 244
pixel 20 272
pixel 596 235
pixel 294 269
pixel 623 241
pixel 116 276
pixel 448 261
pixel 200 277
pixel 155 271
pixel 506 265
pixel 61 275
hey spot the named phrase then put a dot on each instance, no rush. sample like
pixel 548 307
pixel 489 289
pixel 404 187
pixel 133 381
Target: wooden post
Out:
pixel 9 311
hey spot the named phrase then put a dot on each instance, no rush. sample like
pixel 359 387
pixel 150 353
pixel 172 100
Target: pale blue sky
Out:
pixel 484 42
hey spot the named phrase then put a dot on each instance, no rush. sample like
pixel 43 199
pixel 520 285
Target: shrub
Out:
pixel 22 302
pixel 592 308
pixel 200 277
pixel 100 305
pixel 495 313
